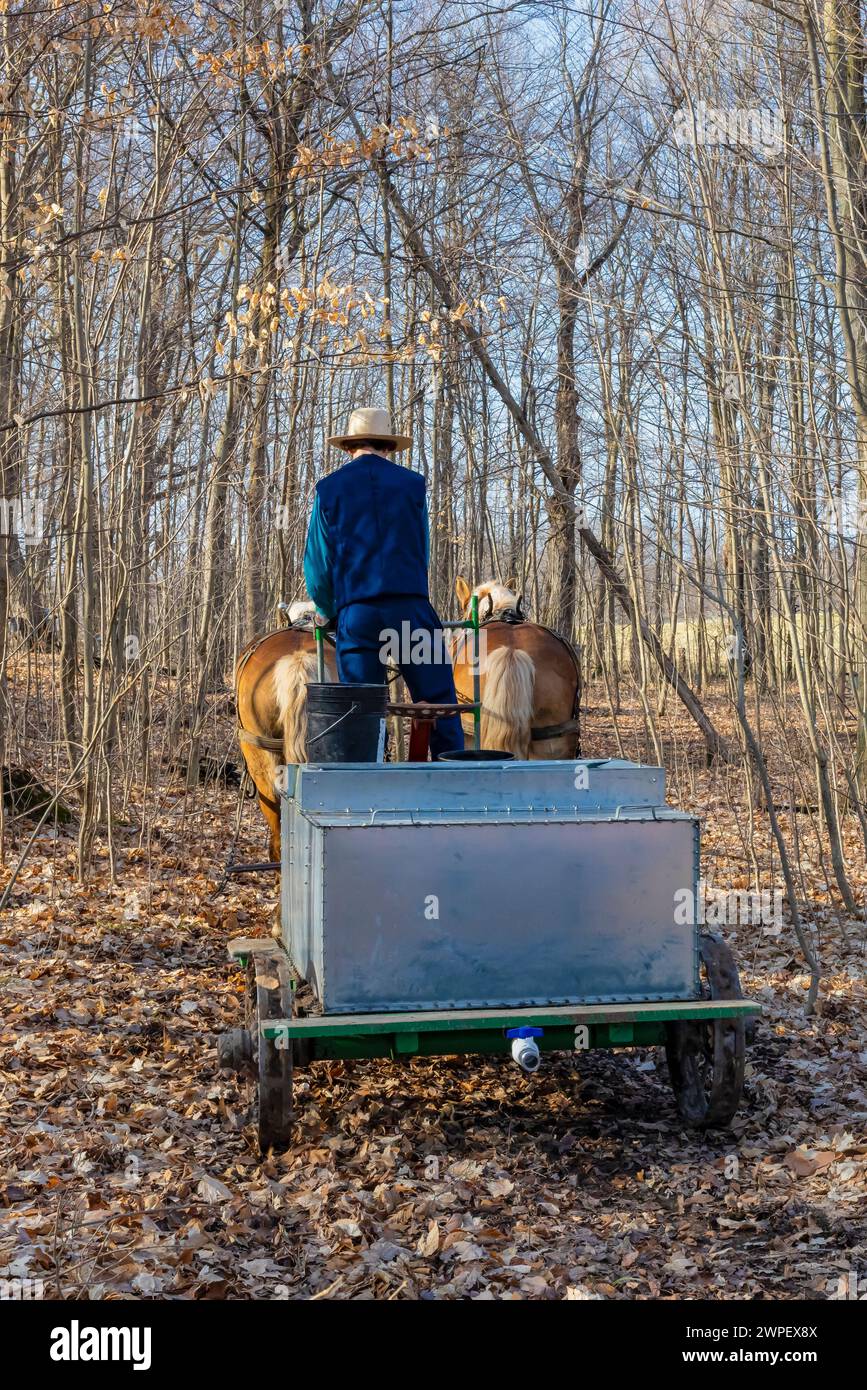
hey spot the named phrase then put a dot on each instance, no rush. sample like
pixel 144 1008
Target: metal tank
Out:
pixel 415 886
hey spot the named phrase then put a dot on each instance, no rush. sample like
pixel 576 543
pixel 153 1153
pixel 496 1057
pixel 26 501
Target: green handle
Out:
pixel 319 636
pixel 477 693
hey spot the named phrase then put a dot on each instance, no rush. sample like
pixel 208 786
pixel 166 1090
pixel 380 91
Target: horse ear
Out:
pixel 462 589
pixel 519 607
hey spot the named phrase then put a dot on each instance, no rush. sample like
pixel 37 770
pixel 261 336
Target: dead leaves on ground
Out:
pixel 129 1171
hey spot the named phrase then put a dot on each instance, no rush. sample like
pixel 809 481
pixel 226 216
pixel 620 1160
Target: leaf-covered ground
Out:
pixel 128 1165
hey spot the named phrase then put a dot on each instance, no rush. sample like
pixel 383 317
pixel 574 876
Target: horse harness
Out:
pixel 265 741
pixel 514 617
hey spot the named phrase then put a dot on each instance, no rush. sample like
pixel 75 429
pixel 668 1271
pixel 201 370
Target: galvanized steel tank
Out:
pixel 454 886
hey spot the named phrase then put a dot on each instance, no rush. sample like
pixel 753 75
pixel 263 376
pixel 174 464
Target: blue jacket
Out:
pixel 368 535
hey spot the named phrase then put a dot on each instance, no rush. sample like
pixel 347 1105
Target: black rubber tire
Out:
pixel 706 1059
pixel 269 996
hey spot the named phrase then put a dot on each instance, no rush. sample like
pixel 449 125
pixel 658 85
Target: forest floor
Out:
pixel 128 1168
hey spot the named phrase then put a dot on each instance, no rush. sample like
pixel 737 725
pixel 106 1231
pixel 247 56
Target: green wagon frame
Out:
pixel 704 1039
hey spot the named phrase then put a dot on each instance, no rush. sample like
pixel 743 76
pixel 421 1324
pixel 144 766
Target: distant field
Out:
pixel 718 641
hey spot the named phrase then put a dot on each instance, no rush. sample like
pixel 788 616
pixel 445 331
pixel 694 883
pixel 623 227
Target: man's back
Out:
pixel 365 565
pixel 375 515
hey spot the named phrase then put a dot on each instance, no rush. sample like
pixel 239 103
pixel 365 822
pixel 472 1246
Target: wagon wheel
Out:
pixel 269 995
pixel 706 1057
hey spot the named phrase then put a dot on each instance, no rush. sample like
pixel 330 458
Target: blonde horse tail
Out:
pixel 291 674
pixel 507 701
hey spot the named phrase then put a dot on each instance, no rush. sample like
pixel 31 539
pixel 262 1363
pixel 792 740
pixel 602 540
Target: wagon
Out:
pixel 514 908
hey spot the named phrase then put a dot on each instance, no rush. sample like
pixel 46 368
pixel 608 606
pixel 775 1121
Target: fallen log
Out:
pixel 25 795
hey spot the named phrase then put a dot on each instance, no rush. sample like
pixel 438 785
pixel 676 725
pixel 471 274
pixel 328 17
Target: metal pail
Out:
pixel 345 723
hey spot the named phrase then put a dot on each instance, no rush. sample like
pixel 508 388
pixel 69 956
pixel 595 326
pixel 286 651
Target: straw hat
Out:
pixel 370 423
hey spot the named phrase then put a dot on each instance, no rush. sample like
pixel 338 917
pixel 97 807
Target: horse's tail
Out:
pixel 507 703
pixel 291 674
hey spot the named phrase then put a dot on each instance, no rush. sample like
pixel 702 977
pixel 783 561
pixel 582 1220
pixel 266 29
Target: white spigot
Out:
pixel 526 1053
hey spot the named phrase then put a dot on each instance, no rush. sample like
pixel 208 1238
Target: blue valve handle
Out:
pixel 525 1032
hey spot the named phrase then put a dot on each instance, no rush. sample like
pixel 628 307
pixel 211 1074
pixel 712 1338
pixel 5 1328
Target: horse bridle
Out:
pixel 502 615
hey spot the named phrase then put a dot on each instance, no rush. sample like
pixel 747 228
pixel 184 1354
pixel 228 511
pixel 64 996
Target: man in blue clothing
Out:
pixel 366 564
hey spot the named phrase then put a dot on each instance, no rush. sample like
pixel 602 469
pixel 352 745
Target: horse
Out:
pixel 529 677
pixel 271 676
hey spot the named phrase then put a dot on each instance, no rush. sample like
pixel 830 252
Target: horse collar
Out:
pixel 503 615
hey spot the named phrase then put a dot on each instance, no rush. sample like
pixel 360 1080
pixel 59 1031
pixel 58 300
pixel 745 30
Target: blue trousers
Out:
pixel 405 632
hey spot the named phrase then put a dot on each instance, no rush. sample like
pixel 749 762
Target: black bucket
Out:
pixel 477 755
pixel 345 723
